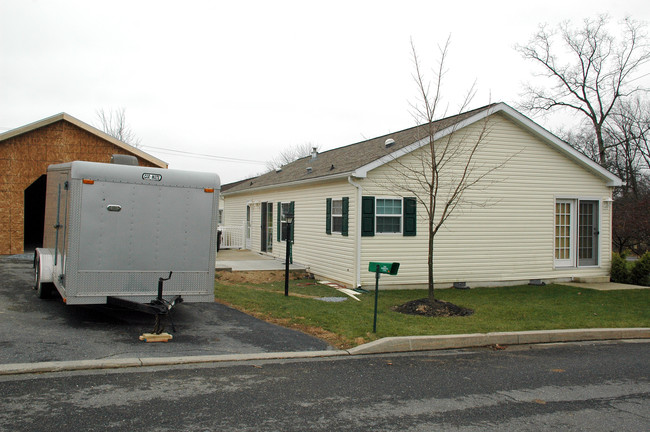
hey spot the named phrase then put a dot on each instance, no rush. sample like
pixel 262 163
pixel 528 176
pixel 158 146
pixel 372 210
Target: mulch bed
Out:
pixel 437 308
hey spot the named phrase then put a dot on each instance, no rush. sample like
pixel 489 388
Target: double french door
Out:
pixel 577 229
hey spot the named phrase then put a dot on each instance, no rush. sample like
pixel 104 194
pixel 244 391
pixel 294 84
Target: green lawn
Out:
pixel 349 323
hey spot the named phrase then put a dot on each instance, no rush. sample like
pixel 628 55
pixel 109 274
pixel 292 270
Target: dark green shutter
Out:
pixel 345 205
pixel 367 216
pixel 328 215
pixel 264 226
pixel 291 210
pixel 410 217
pixel 279 226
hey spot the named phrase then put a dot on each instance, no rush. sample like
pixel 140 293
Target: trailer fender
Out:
pixel 43 271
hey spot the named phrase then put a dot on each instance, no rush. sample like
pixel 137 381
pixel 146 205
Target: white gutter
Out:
pixel 357 240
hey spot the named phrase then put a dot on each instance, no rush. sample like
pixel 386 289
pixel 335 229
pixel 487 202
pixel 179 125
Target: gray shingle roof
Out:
pixel 343 160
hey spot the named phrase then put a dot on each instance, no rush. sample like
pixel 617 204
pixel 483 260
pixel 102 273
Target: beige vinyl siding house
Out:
pixel 545 213
pixel 324 255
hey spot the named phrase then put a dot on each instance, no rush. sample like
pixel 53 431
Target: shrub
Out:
pixel 640 274
pixel 619 272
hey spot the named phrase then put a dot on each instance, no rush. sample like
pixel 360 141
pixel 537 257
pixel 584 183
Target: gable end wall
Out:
pixel 505 231
pixel 24 158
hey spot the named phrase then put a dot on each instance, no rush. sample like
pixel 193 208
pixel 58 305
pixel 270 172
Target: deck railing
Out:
pixel 232 237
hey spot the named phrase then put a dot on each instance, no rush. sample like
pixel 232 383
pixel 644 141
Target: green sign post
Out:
pixel 379 268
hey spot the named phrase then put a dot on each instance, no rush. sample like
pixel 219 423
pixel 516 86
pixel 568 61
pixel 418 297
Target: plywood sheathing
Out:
pixel 25 157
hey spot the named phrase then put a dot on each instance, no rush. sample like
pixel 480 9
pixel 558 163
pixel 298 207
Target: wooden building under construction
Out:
pixel 25 154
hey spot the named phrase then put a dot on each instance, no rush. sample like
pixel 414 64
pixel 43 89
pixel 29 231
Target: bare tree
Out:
pixel 590 72
pixel 625 136
pixel 444 169
pixel 628 130
pixel 630 126
pixel 114 123
pixel 291 154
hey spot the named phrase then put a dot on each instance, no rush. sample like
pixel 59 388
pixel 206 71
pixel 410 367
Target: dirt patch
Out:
pixel 256 277
pixel 435 308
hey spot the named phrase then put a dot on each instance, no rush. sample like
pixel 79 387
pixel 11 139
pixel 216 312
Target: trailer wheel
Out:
pixel 43 289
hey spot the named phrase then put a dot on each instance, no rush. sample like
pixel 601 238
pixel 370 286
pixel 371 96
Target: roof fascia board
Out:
pixel 290 184
pixel 31 126
pixel 88 128
pixel 566 149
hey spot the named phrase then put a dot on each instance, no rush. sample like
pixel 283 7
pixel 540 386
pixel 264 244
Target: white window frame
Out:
pixel 283 219
pixel 337 215
pixel 400 215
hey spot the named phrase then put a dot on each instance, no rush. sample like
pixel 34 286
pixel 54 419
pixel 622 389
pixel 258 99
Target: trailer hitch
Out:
pixel 163 306
pixel 158 306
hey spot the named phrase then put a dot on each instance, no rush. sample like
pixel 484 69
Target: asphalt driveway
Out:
pixel 35 330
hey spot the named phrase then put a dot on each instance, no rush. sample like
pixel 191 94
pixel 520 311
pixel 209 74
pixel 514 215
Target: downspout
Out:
pixel 357 239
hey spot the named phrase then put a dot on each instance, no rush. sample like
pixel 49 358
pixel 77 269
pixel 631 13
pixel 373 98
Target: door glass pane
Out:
pixel 588 233
pixel 563 231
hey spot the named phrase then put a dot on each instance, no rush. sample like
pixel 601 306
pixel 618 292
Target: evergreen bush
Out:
pixel 640 273
pixel 619 272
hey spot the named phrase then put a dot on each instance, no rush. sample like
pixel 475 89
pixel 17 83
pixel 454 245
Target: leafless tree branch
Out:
pixel 598 72
pixel 114 123
pixel 440 173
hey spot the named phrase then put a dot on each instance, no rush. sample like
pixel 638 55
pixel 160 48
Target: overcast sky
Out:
pixel 243 80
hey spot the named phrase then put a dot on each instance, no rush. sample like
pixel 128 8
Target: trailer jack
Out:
pixel 159 307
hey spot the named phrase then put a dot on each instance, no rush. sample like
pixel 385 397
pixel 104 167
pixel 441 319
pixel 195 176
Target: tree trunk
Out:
pixel 430 261
pixel 602 154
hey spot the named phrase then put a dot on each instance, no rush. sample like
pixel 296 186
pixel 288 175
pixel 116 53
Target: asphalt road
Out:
pixel 35 330
pixel 602 386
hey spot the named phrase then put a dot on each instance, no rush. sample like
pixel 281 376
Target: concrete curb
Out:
pixel 381 346
pixel 77 365
pixel 429 343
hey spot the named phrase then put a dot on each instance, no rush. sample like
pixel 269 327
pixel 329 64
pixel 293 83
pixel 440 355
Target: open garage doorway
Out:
pixel 34 214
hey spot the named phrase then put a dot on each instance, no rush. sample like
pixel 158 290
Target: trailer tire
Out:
pixel 43 289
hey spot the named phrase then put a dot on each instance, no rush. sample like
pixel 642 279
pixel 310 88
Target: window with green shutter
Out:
pixel 337 215
pixel 389 215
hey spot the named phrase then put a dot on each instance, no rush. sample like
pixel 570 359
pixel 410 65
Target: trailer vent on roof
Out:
pixel 389 142
pixel 121 159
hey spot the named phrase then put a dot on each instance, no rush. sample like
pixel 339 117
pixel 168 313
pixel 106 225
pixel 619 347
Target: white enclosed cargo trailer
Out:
pixel 113 231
